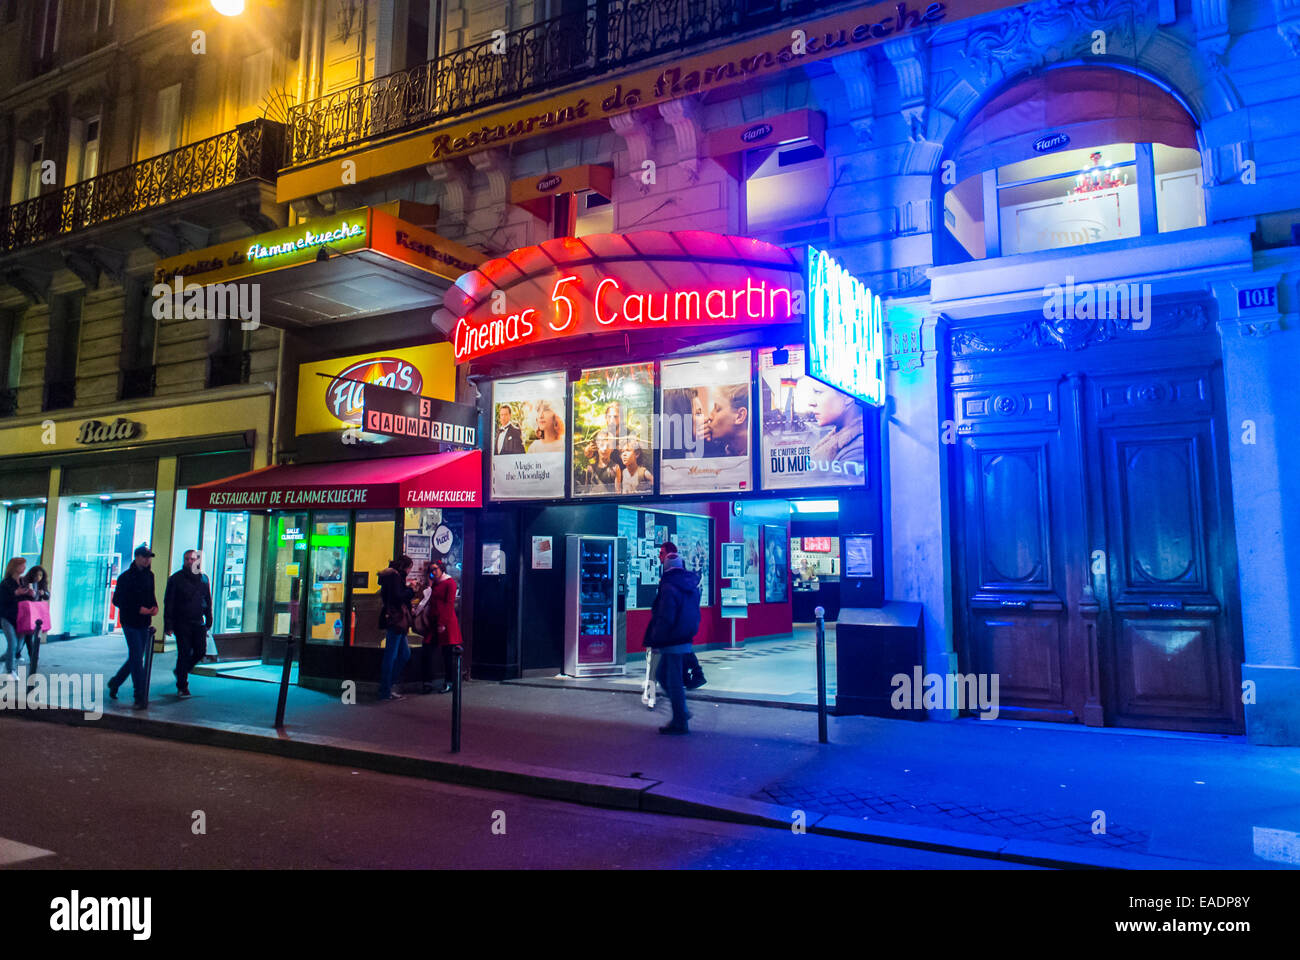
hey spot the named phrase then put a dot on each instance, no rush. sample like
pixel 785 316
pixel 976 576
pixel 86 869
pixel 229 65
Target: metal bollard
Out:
pixel 284 683
pixel 148 664
pixel 455 701
pixel 821 674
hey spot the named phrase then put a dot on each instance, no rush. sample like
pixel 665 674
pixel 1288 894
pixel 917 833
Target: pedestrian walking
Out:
pixel 187 613
pixel 444 624
pixel 674 620
pixel 12 589
pixel 395 618
pixel 34 617
pixel 137 605
pixel 694 675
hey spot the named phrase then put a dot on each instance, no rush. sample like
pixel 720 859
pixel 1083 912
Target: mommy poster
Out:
pixel 812 433
pixel 705 424
pixel 528 437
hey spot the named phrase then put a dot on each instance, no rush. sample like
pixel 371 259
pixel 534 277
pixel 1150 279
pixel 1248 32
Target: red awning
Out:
pixel 436 480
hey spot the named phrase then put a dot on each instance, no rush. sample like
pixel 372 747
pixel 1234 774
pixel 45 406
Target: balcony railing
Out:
pixel 607 36
pixel 251 151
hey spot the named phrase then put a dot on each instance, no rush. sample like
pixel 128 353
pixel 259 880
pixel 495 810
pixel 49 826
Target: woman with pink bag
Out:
pixel 34 616
pixel 12 589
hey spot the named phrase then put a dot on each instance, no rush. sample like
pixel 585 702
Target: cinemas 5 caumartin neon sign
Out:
pixel 621 283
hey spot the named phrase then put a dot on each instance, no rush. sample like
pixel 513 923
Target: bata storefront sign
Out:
pixel 331 393
pixel 791 44
pixel 94 431
pixel 622 283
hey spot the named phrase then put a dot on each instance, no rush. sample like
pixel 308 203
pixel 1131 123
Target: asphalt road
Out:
pixel 102 800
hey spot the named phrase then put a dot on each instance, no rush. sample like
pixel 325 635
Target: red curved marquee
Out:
pixel 616 282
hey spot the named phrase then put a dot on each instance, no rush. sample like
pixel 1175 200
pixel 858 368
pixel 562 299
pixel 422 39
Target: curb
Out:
pixel 622 793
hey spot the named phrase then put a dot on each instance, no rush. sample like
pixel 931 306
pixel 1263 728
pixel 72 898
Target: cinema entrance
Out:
pixel 654 388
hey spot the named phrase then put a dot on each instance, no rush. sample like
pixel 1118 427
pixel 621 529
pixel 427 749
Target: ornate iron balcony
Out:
pixel 607 36
pixel 251 151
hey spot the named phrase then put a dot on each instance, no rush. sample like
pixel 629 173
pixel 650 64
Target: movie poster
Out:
pixel 705 424
pixel 812 433
pixel 753 563
pixel 613 431
pixel 528 437
pixel 776 565
pixel 693 547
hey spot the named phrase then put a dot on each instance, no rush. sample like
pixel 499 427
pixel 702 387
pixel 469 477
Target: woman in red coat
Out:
pixel 443 621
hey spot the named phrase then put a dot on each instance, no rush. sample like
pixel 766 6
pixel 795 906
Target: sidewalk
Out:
pixel 1026 793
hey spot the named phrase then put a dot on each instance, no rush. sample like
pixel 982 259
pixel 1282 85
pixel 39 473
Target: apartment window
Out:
pixel 45 29
pixel 83 150
pixel 139 336
pixel 28 155
pixel 166 134
pixel 227 358
pixel 11 359
pixel 254 83
pixel 785 187
pixel 1092 194
pixel 595 214
pixel 1072 157
pixel 61 350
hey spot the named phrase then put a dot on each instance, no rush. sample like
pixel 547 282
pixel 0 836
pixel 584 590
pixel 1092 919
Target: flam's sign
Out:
pixel 346 396
pixel 547 183
pixel 93 431
pixel 757 132
pixel 1051 142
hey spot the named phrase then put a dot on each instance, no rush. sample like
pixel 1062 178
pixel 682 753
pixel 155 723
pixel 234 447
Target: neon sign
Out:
pixel 346 395
pixel 845 330
pixel 688 279
pixel 308 240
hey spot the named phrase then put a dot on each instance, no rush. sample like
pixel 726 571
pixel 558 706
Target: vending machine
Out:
pixel 595 617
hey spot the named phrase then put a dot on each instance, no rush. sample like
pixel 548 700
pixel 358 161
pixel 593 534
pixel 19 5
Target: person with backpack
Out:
pixel 395 619
pixel 34 617
pixel 674 620
pixel 187 613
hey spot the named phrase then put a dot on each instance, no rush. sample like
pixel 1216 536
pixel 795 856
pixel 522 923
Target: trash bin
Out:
pixel 872 645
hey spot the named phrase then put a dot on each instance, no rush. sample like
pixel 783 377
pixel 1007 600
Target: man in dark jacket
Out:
pixel 674 620
pixel 137 605
pixel 187 612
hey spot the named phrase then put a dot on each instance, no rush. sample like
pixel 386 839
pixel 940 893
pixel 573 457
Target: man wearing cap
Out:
pixel 137 605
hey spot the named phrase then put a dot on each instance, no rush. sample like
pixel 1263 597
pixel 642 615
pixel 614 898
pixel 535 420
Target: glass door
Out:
pixel 331 547
pixel 103 534
pixel 225 552
pixel 288 563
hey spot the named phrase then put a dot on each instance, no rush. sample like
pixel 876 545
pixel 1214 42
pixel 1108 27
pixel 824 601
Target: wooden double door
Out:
pixel 1093 542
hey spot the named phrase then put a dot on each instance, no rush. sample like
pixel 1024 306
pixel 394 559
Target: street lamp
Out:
pixel 228 8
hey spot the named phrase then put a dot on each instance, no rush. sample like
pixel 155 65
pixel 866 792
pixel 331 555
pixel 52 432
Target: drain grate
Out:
pixel 951 815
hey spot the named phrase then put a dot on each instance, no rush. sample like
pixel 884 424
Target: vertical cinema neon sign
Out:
pixel 846 341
